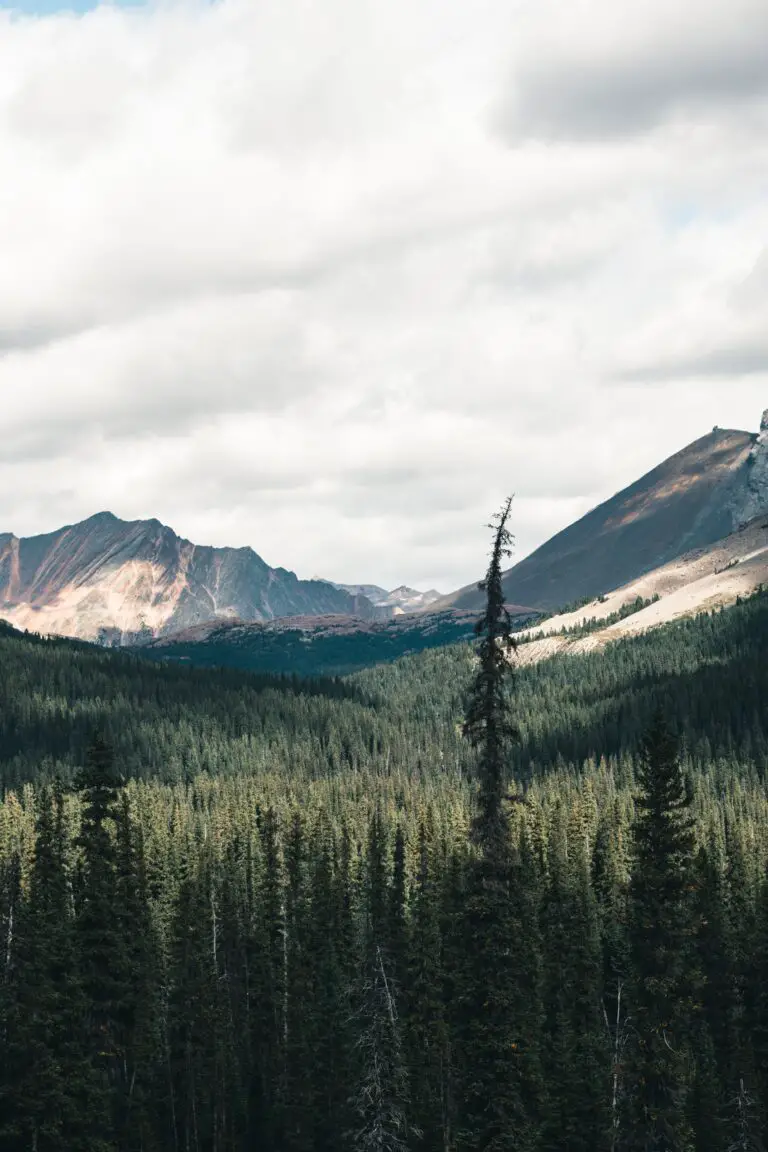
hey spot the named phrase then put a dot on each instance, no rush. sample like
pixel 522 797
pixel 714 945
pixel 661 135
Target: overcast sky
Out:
pixel 331 278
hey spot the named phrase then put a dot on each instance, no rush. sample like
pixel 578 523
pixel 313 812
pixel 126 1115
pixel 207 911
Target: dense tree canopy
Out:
pixel 249 917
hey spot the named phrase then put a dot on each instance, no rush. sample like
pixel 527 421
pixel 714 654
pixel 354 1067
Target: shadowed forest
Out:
pixel 268 913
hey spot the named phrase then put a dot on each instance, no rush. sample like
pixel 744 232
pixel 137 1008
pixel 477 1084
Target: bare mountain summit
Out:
pixel 691 500
pixel 119 581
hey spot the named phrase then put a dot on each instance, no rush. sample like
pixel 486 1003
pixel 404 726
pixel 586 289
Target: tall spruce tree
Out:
pixel 661 936
pixel 487 724
pixel 500 1068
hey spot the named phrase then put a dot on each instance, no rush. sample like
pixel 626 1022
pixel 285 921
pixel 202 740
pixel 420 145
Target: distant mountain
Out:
pixel 121 581
pixel 691 500
pixel 401 599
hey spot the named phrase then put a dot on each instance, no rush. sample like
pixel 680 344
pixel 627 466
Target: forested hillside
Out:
pixel 172 723
pixel 251 919
pixel 331 646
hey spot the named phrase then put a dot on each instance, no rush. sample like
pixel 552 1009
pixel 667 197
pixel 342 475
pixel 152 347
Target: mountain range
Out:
pixel 120 581
pixel 133 582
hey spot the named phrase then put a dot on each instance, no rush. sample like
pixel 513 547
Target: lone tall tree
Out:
pixel 498 1011
pixel 487 724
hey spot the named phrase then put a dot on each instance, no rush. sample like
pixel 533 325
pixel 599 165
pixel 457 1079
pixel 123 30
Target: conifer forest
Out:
pixel 439 905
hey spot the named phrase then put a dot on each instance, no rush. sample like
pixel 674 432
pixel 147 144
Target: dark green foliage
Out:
pixel 488 725
pixel 381 1104
pixel 662 979
pixel 577 1042
pixel 50 1097
pixel 500 1021
pixel 427 1035
pixel 331 652
pixel 287 928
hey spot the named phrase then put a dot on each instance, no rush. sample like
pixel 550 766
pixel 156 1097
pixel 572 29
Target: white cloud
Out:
pixel 331 279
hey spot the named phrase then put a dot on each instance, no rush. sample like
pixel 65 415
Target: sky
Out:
pixel 331 279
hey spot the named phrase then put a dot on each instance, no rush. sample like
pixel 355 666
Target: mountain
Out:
pixel 118 581
pixel 401 599
pixel 691 500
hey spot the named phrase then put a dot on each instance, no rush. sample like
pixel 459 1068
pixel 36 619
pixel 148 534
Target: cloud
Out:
pixel 334 292
pixel 592 73
pixel 727 363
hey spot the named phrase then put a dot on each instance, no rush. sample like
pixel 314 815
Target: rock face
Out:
pixel 117 581
pixel 691 500
pixel 755 499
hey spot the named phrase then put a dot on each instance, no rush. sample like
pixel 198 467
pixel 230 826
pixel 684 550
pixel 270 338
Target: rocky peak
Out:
pixel 755 500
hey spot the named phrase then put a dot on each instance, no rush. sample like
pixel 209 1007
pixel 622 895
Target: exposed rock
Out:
pixel 116 581
pixel 754 499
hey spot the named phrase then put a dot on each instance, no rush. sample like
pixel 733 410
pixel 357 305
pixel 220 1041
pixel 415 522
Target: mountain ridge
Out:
pixel 696 496
pixel 116 580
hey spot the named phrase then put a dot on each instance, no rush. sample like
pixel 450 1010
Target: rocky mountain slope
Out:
pixel 118 581
pixel 703 580
pixel 691 500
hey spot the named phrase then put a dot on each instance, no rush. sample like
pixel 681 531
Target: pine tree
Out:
pixel 330 943
pixel 381 1101
pixel 100 931
pixel 500 1069
pixel 300 997
pixel 577 1060
pixel 661 928
pixel 51 1098
pixel 487 724
pixel 268 1019
pixel 426 1029
pixel 139 1010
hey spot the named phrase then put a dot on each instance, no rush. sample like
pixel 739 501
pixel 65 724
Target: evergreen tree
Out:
pixel 100 931
pixel 487 724
pixel 661 928
pixel 577 1058
pixel 139 1010
pixel 50 1098
pixel 268 1018
pixel 427 1034
pixel 381 1101
pixel 330 943
pixel 500 1070
pixel 300 997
